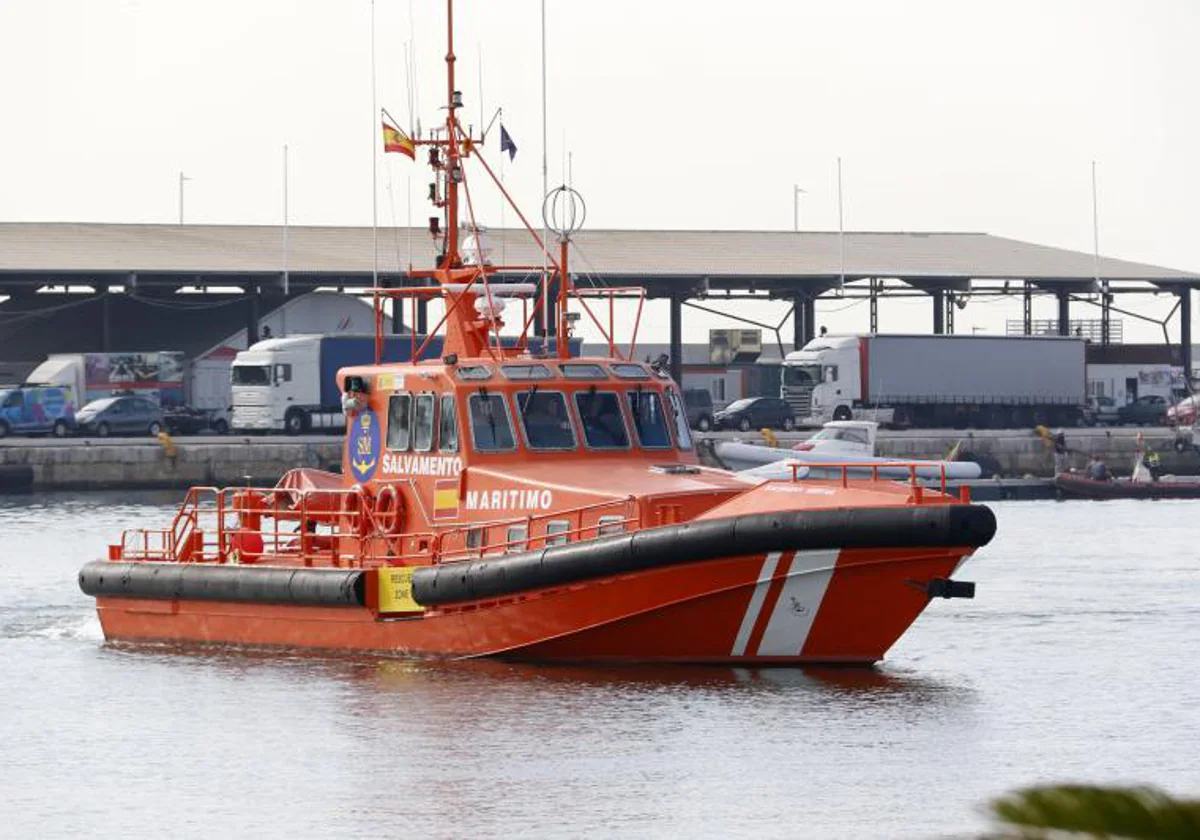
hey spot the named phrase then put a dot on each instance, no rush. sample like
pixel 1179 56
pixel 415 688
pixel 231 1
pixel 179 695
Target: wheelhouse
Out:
pixel 525 408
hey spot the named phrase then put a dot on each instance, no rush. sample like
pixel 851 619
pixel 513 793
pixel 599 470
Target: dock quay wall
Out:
pixel 43 464
pixel 1017 453
pixel 138 464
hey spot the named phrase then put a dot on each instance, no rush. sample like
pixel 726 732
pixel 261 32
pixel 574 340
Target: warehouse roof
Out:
pixel 48 248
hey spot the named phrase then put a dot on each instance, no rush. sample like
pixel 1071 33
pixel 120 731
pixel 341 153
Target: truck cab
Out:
pixel 276 386
pixel 822 381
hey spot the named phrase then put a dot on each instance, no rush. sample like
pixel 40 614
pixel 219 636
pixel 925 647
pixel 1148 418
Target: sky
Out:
pixel 979 116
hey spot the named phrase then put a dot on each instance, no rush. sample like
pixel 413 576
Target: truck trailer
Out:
pixel 931 381
pixel 158 375
pixel 290 384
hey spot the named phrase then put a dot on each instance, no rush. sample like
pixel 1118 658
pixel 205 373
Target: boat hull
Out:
pixel 1078 487
pixel 783 608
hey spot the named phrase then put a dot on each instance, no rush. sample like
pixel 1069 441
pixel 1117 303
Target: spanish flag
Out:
pixel 395 140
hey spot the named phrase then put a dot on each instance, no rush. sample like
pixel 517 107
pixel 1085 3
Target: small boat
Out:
pixel 512 500
pixel 1079 486
pixel 849 442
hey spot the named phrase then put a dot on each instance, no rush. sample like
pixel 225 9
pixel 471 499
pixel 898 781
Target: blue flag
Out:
pixel 506 143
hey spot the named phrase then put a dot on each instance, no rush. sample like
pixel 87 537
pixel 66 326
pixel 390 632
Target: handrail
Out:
pixel 846 466
pixel 214 525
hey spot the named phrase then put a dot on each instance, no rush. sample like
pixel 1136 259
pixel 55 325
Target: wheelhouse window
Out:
pixel 491 430
pixel 603 423
pixel 399 426
pixel 524 372
pixel 474 372
pixel 583 371
pixel 648 421
pixel 683 435
pixel 545 419
pixel 448 425
pixel 629 371
pixel 422 434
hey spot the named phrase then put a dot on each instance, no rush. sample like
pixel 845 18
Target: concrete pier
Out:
pixel 87 464
pixel 145 464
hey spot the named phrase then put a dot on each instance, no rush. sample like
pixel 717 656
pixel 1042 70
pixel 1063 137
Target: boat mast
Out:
pixel 454 164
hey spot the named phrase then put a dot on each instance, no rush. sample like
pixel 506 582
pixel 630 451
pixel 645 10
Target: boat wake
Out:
pixel 50 622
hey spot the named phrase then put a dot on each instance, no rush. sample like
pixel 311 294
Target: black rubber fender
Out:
pixel 932 526
pixel 209 582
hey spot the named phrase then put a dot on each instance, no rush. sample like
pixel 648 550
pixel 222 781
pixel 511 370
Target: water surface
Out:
pixel 1074 662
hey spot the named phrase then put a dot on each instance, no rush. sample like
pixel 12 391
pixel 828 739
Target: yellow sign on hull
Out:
pixel 394 590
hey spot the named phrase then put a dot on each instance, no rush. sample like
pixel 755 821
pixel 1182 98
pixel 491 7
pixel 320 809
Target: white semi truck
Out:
pixel 930 381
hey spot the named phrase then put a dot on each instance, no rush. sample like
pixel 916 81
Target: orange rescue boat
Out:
pixel 510 500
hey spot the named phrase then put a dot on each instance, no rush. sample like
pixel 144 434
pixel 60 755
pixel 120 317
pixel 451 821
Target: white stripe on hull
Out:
pixel 796 609
pixel 756 602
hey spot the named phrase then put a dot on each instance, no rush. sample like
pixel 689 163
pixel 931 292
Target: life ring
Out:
pixel 354 507
pixel 389 510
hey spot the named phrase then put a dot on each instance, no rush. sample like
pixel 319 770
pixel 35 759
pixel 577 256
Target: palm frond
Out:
pixel 1135 813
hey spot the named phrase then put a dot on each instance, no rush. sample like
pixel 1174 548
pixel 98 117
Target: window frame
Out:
pixel 675 401
pixel 567 367
pixel 574 447
pixel 453 415
pixel 516 546
pixel 629 370
pixel 530 372
pixel 508 418
pixel 433 421
pixel 651 392
pixel 554 536
pixel 583 426
pixel 615 523
pixel 387 437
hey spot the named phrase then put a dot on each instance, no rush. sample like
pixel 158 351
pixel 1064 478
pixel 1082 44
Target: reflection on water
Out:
pixel 1070 664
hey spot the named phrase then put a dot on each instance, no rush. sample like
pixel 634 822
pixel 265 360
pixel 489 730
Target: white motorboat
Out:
pixel 840 442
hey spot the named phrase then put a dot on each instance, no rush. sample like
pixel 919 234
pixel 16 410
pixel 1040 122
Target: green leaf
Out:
pixel 1135 813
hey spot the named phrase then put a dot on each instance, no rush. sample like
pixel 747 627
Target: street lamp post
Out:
pixel 182 178
pixel 796 193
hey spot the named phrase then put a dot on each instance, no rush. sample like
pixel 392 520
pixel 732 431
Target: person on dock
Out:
pixel 1060 452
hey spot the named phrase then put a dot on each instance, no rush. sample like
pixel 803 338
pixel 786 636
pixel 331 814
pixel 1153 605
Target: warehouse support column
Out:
pixel 251 313
pixel 1185 332
pixel 677 338
pixel 939 311
pixel 1105 315
pixel 1028 308
pixel 804 310
pixel 106 320
pixel 422 325
pixel 1064 312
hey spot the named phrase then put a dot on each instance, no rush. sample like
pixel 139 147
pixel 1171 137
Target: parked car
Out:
pixel 119 416
pixel 36 410
pixel 699 406
pixel 1150 410
pixel 185 420
pixel 755 413
pixel 1101 411
pixel 1184 412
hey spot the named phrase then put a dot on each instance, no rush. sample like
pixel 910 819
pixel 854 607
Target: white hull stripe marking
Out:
pixel 756 601
pixel 796 610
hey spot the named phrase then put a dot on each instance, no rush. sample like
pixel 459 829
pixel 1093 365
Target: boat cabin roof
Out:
pixel 525 408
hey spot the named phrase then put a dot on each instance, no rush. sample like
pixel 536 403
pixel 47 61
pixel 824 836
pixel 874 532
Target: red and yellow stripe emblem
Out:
pixel 445 499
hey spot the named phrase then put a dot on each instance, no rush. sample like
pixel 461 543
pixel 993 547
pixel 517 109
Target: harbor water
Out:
pixel 1075 662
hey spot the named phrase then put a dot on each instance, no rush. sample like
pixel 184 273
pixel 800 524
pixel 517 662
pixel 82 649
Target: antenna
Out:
pixel 545 187
pixel 841 234
pixel 374 164
pixel 283 310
